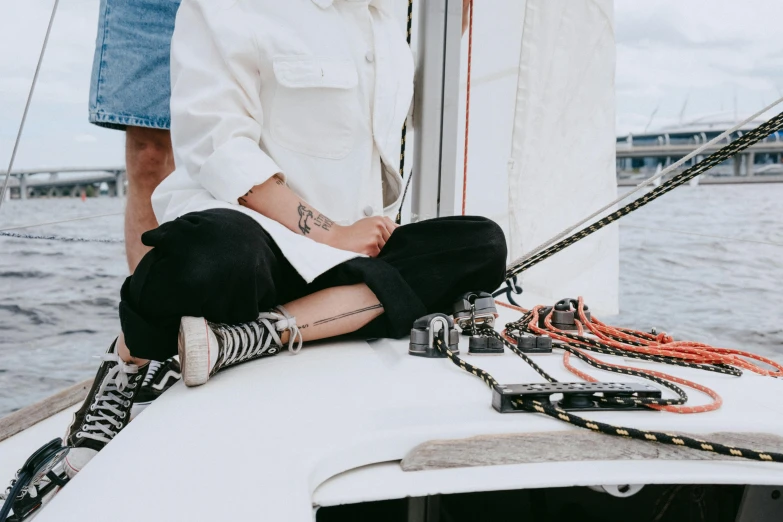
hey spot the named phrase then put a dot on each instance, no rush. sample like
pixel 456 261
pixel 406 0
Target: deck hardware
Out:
pixel 26 494
pixel 426 329
pixel 577 396
pixel 534 343
pixel 564 315
pixel 485 346
pixel 474 309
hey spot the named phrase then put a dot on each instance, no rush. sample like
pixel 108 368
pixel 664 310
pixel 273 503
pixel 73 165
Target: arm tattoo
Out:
pixel 324 222
pixel 243 200
pixel 347 314
pixel 304 214
pixel 306 218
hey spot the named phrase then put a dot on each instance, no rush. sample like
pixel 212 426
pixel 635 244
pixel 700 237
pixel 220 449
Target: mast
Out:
pixel 436 107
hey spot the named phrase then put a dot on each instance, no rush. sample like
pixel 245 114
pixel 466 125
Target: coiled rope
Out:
pixel 762 131
pixel 537 406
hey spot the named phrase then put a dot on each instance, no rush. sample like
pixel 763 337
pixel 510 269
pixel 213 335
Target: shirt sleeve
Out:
pixel 216 113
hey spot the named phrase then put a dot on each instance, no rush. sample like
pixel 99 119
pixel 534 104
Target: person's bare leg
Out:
pixel 334 311
pixel 205 348
pixel 148 159
pixel 125 355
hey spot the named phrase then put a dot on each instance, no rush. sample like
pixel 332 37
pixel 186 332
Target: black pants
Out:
pixel 222 265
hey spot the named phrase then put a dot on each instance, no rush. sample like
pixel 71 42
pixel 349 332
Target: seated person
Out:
pixel 286 120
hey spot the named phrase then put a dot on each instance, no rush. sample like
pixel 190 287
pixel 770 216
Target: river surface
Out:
pixel 58 301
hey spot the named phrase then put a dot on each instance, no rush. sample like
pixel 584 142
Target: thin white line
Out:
pixel 27 104
pixel 704 235
pixel 61 221
pixel 641 186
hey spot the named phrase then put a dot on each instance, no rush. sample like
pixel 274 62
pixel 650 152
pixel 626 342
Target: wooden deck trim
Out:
pixel 22 419
pixel 564 446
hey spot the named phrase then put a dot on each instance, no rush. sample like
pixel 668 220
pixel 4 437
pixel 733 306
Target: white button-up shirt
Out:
pixel 316 90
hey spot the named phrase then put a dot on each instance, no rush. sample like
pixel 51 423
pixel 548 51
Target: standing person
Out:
pixel 130 91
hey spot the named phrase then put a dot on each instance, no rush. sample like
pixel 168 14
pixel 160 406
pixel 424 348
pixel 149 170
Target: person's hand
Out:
pixel 366 236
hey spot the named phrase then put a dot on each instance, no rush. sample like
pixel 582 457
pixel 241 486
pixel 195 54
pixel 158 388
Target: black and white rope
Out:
pixel 650 181
pixel 765 129
pixel 639 401
pixel 593 345
pixel 398 218
pixel 536 406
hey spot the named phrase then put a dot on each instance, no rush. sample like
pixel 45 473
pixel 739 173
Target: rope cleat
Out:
pixel 474 309
pixel 565 314
pixel 426 329
pixel 534 343
pixel 483 345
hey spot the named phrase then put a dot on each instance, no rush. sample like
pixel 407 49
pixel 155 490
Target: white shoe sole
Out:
pixel 195 343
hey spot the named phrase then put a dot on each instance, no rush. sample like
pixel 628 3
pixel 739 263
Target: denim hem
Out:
pixel 121 121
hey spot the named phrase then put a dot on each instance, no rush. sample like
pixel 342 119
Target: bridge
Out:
pixel 667 152
pixel 32 183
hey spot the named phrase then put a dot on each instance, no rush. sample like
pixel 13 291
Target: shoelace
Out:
pixel 288 322
pixel 152 370
pixel 248 340
pixel 115 391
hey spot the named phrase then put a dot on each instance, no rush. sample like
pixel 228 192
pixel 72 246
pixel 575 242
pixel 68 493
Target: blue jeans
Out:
pixel 131 84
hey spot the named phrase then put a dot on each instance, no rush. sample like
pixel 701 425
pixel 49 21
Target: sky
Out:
pixel 676 60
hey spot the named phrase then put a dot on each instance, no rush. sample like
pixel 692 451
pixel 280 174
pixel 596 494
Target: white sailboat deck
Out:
pixel 272 438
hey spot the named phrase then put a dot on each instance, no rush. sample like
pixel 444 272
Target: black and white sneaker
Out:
pixel 105 411
pixel 205 348
pixel 160 377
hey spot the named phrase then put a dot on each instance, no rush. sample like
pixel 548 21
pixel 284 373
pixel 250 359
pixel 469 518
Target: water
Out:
pixel 58 301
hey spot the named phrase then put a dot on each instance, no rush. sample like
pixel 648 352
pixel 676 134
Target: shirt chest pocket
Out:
pixel 316 106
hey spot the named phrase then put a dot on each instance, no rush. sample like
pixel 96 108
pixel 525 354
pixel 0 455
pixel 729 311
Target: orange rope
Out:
pixel 660 345
pixel 467 110
pixel 506 305
pixel 649 344
pixel 716 403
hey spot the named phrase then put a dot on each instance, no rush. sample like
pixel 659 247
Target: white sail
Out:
pixel 542 143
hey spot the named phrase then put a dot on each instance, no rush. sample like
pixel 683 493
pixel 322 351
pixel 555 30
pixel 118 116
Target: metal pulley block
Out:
pixel 428 328
pixel 474 309
pixel 564 313
pixel 35 480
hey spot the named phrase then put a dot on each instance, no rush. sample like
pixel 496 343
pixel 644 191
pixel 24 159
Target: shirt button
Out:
pixel 368 211
pixel 370 57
